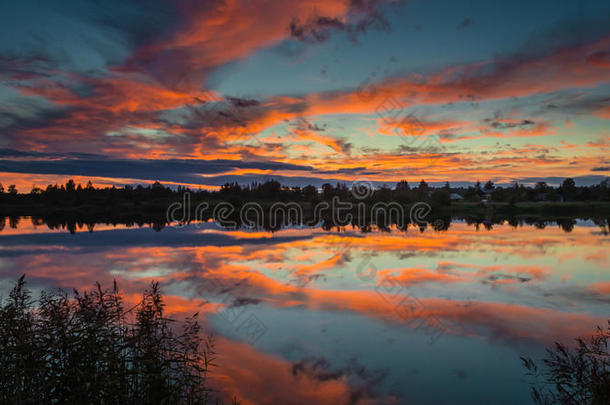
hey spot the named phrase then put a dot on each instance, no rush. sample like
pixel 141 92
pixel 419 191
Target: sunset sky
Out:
pixel 311 91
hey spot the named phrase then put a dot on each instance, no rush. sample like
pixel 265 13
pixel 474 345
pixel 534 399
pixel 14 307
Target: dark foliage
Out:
pixel 573 376
pixel 73 206
pixel 87 349
pixel 72 195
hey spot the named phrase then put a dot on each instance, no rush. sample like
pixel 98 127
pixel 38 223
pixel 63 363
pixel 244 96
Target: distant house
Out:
pixel 456 197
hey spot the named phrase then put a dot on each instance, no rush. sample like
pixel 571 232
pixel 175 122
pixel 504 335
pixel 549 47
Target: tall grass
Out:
pixel 86 348
pixel 573 376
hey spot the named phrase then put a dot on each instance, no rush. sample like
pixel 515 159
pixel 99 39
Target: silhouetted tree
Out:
pixel 422 191
pixel 568 188
pixel 310 193
pixel 402 192
pixel 70 186
pixel 403 186
pixel 327 191
pixel 383 193
pixel 271 189
pixel 441 197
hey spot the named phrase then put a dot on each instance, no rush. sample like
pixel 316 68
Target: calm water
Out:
pixel 324 317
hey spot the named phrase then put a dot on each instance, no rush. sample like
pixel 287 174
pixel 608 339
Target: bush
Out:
pixel 579 376
pixel 88 349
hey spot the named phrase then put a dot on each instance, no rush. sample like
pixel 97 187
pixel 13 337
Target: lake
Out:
pixel 308 315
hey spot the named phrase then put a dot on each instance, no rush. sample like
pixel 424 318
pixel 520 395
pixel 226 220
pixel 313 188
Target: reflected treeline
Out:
pixel 432 222
pixel 74 223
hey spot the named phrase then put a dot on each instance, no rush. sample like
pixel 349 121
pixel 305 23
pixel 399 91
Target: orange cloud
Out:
pixel 412 276
pixel 257 378
pixel 602 287
pixel 231 32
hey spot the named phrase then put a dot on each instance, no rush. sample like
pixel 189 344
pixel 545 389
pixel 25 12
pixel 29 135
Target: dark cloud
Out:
pixel 466 22
pixel 303 124
pixel 171 170
pixel 101 33
pixel 243 102
pixel 461 374
pixel 497 124
pixel 346 147
pixel 576 103
pixel 601 169
pixel 346 170
pixel 26 114
pixel 315 127
pixel 315 29
pixel 12 153
pixel 363 380
pixel 187 171
pixel 24 67
pixel 369 15
pixel 363 15
pixel 243 301
pixel 499 277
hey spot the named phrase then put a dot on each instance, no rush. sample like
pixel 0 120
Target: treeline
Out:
pixel 87 348
pixel 77 194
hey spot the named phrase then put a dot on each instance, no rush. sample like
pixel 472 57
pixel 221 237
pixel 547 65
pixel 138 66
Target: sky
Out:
pixel 201 93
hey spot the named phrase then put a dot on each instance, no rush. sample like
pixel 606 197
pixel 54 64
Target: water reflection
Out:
pixel 436 223
pixel 325 315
